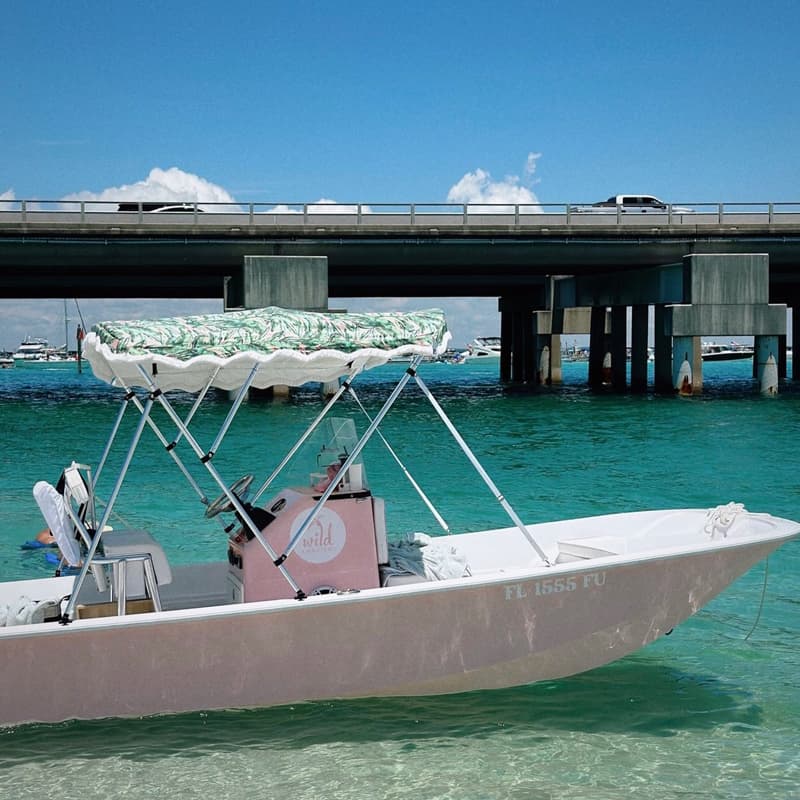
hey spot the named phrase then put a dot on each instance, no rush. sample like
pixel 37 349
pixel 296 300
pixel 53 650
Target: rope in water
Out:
pixel 761 603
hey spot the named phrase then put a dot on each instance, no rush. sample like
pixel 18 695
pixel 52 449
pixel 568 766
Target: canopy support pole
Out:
pixel 437 516
pixel 232 412
pixel 169 447
pixel 301 441
pixel 390 401
pixel 200 397
pixel 129 395
pixel 235 502
pixel 481 471
pixel 98 534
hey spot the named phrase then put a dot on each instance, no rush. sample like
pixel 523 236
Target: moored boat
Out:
pixel 312 597
pixel 733 351
pixel 35 350
pixel 483 347
pixel 32 349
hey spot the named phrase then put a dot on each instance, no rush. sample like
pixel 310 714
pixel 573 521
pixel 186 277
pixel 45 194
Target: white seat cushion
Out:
pixel 51 504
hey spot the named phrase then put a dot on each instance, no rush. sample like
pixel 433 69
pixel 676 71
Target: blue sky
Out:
pixel 412 102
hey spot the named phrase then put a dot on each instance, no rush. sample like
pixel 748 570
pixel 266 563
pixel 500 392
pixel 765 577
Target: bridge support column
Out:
pixel 782 358
pixel 518 357
pixel 687 365
pixel 728 295
pixel 597 345
pixel 639 318
pixel 795 341
pixel 619 349
pixel 296 282
pixel 550 327
pixel 556 374
pixel 662 345
pixel 542 357
pixel 765 352
pixel 523 363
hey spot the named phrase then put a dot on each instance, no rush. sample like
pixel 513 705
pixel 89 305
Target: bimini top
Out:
pixel 289 347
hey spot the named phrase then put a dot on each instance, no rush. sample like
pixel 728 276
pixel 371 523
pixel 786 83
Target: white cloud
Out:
pixel 171 185
pixel 530 166
pixel 7 195
pixel 478 189
pixel 322 206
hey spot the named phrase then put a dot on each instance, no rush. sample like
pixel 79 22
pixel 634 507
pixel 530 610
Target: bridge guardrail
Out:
pixel 370 215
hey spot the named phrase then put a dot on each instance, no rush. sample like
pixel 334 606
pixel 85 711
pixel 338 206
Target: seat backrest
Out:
pixel 75 486
pixel 51 504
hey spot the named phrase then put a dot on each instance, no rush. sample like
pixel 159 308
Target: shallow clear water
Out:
pixel 703 713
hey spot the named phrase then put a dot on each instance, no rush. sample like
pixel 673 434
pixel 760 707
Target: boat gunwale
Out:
pixel 422 587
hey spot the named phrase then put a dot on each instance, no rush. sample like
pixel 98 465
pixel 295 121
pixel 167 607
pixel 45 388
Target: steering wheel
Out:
pixel 223 502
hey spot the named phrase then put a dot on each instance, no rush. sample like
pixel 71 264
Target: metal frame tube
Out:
pixel 481 471
pixel 121 583
pixel 163 439
pixel 314 513
pixel 199 399
pixel 120 414
pixel 151 581
pixel 437 516
pixel 234 409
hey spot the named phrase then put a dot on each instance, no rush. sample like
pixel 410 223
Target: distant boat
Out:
pixel 6 360
pixel 32 349
pixel 574 353
pixel 35 350
pixel 714 351
pixel 483 347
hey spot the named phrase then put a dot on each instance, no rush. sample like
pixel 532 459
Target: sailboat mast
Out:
pixel 66 330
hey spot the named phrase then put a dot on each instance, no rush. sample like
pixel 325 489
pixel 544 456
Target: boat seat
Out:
pixel 197 586
pixel 192 586
pixel 119 545
pixel 54 511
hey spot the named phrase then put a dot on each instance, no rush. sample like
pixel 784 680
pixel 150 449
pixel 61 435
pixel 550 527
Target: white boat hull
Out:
pixel 492 630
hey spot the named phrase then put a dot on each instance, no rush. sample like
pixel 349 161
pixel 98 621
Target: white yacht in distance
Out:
pixel 483 347
pixel 715 351
pixel 35 351
pixel 32 349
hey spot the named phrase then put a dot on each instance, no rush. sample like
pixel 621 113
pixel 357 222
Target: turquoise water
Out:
pixel 707 712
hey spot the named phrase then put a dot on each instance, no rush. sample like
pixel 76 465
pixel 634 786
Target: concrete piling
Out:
pixel 766 364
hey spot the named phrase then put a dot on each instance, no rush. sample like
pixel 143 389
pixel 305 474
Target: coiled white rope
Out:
pixel 720 518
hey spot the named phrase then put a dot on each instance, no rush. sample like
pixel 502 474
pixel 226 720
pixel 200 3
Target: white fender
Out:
pixel 769 377
pixel 683 383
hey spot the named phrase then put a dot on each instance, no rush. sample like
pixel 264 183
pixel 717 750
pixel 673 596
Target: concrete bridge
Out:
pixel 520 254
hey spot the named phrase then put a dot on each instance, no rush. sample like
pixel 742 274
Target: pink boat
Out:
pixel 312 599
